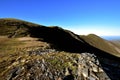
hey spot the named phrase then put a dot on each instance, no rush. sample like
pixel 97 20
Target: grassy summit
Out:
pixel 15 27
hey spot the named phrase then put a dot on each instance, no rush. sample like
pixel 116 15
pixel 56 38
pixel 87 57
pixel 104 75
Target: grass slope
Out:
pixel 12 48
pixel 15 27
pixel 100 43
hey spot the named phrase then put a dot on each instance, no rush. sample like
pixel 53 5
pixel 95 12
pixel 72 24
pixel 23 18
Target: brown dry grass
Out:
pixel 10 46
pixel 101 44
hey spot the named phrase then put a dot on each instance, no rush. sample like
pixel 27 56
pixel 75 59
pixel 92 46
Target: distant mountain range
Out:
pixel 21 37
pixel 111 37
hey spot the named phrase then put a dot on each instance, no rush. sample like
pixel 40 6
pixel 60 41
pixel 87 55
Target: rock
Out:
pixel 85 72
pixel 95 69
pixel 87 67
pixel 88 64
pixel 23 60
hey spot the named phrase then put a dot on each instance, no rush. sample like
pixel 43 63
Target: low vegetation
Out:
pixel 100 43
pixel 15 53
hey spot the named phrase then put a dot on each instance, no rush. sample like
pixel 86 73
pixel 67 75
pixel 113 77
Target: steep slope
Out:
pixel 116 45
pixel 116 42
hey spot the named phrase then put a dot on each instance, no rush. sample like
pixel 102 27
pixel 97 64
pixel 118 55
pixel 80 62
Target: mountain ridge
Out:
pixel 23 28
pixel 38 46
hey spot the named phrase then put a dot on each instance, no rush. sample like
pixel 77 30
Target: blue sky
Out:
pixel 101 17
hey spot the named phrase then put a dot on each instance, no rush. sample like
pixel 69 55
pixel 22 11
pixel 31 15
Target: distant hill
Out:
pixel 116 43
pixel 100 43
pixel 111 37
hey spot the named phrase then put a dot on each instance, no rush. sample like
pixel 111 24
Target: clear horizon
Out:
pixel 100 17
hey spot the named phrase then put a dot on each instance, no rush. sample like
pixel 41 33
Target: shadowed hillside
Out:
pixel 68 41
pixel 56 36
pixel 61 39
